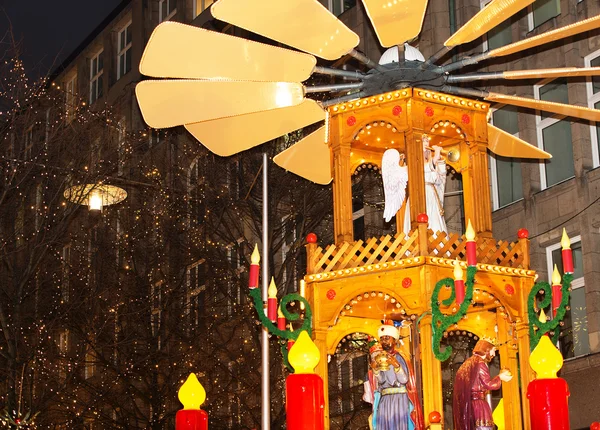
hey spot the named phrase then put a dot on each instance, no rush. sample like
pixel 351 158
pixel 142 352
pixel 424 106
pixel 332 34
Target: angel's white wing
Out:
pixel 395 178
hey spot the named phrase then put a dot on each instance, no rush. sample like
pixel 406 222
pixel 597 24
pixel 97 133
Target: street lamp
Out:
pixel 95 196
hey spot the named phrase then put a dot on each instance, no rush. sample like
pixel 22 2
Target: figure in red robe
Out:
pixel 470 408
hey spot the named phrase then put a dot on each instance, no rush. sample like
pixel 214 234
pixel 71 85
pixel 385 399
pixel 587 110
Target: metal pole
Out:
pixel 266 389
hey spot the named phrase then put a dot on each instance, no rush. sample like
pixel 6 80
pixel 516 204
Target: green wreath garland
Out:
pixel 537 328
pixel 283 335
pixel 441 322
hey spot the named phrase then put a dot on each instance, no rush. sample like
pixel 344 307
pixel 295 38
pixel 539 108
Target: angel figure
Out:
pixel 395 178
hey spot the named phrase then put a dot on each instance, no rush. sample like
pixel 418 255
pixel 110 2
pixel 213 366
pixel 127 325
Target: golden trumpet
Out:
pixel 453 155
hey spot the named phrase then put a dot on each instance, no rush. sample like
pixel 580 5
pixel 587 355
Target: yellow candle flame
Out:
pixel 498 415
pixel 555 276
pixel 192 393
pixel 546 360
pixel 272 291
pixel 255 258
pixel 458 272
pixel 304 355
pixel 470 233
pixel 542 318
pixel 565 241
pixel 279 313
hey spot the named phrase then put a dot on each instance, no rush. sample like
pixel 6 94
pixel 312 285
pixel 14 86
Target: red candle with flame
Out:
pixel 192 395
pixel 567 253
pixel 471 245
pixel 254 268
pixel 272 301
pixel 556 289
pixel 305 402
pixel 459 283
pixel 280 319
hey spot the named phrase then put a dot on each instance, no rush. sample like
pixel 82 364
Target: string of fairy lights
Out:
pixel 120 269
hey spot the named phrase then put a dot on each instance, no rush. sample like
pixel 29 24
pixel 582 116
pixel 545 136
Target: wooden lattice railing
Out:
pixel 393 248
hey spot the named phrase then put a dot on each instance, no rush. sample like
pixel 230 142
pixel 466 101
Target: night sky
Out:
pixel 50 30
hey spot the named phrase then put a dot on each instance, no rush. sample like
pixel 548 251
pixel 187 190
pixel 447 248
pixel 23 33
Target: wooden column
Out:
pixel 526 371
pixel 431 371
pixel 342 192
pixel 416 176
pixel 510 390
pixel 320 339
pixel 476 191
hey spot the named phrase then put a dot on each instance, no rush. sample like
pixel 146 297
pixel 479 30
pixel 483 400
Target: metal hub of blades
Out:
pixel 403 74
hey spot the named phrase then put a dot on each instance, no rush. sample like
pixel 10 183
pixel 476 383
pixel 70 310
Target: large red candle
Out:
pixel 305 403
pixel 548 395
pixel 459 283
pixel 191 419
pixel 549 404
pixel 471 245
pixel 556 289
pixel 567 253
pixel 272 301
pixel 191 395
pixel 254 268
pixel 304 399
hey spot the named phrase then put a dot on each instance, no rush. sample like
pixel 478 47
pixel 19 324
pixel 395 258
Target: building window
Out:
pixel 542 11
pixel 90 360
pixel 593 96
pixel 156 310
pixel 500 35
pixel 201 5
pixel 66 273
pixel 28 140
pixel 124 54
pixel 554 135
pixel 195 294
pixel 121 150
pixel 96 70
pixel 506 176
pixel 39 200
pixel 195 194
pixel 63 349
pixel 338 7
pixel 70 98
pixel 166 9
pixel 573 341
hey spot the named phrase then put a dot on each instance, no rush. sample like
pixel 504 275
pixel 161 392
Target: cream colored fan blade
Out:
pixel 228 136
pixel 303 24
pixel 171 103
pixel 550 36
pixel 182 51
pixel 396 22
pixel 562 72
pixel 496 12
pixel 309 158
pixel 558 108
pixel 507 145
